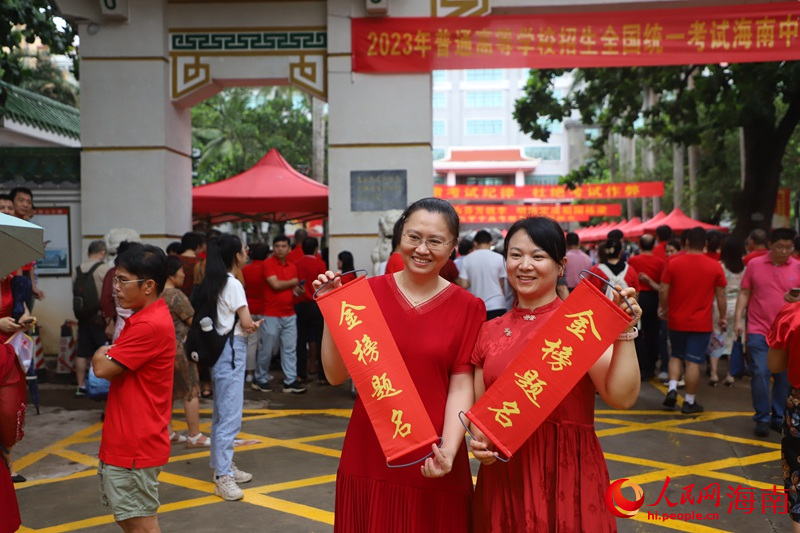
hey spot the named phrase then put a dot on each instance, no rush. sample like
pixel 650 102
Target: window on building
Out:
pixel 439 128
pixel 439 180
pixel 546 153
pixel 439 153
pixel 485 74
pixel 542 179
pixel 485 126
pixel 484 99
pixel 439 75
pixel 438 100
pixel 486 180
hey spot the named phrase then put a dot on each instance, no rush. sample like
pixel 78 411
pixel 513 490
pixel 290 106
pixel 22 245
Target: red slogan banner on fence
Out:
pixel 549 192
pixel 521 211
pixel 548 367
pixel 366 344
pixel 695 35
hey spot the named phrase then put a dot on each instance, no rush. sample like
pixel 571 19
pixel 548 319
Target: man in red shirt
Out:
pixel 649 268
pixel 766 287
pixel 309 318
pixel 254 287
pixel 689 285
pixel 296 254
pixel 664 234
pixel 756 245
pixel 280 322
pixel 140 364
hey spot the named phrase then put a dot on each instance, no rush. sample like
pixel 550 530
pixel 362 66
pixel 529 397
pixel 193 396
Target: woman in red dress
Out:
pixel 434 324
pixel 557 480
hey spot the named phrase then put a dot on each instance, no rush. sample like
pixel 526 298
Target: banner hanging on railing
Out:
pixel 681 36
pixel 548 368
pixel 595 191
pixel 379 373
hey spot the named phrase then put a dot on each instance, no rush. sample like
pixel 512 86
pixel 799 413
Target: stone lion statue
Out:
pixel 383 248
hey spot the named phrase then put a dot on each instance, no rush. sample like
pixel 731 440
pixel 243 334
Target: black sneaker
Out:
pixel 263 387
pixel 762 429
pixel 294 387
pixel 775 425
pixel 671 399
pixel 80 392
pixel 691 408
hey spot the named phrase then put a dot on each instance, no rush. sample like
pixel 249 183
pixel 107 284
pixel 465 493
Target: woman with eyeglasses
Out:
pixel 434 324
pixel 557 480
pixel 224 293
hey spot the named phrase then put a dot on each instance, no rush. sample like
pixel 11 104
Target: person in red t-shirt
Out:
pixel 614 269
pixel 309 318
pixel 784 354
pixel 649 268
pixel 689 285
pixel 756 245
pixel 254 287
pixel 280 322
pixel 140 368
pixel 664 234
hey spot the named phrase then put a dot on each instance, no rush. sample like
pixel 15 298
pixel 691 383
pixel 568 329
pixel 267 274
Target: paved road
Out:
pixel 299 442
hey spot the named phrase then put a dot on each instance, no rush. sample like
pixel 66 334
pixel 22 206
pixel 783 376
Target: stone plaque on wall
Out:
pixel 378 190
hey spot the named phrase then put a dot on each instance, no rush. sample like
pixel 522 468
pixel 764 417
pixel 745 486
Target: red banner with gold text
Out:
pixel 548 367
pixel 366 344
pixel 505 213
pixel 693 35
pixel 598 191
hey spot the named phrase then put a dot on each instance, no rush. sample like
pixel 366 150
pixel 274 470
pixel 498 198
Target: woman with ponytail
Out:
pixel 224 296
pixel 614 269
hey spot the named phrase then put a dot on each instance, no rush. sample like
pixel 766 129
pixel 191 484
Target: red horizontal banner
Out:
pixel 548 367
pixel 641 189
pixel 695 35
pixel 510 219
pixel 373 360
pixel 522 211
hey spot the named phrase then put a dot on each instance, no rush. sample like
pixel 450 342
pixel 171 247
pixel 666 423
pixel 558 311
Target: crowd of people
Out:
pixel 457 311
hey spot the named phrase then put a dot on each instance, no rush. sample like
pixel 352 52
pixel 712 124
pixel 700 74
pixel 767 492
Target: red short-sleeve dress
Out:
pixel 436 340
pixel 557 480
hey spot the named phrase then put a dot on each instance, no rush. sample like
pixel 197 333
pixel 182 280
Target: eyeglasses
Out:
pixel 122 282
pixel 415 240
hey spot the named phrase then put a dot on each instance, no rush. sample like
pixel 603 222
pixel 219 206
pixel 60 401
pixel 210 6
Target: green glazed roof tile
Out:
pixel 41 112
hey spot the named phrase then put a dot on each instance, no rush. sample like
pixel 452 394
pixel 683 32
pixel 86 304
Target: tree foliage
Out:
pixel 25 21
pixel 695 105
pixel 234 129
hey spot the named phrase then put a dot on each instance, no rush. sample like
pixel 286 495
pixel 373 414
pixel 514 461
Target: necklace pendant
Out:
pixel 531 318
pixel 507 331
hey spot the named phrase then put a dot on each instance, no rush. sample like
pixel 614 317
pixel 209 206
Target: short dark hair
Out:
pixel 174 264
pixel 192 240
pixel 310 244
pixel 675 243
pixel 300 235
pixel 434 205
pixel 758 236
pixel 4 196
pixel 573 239
pixel 695 238
pixel 280 238
pixel 545 232
pixel 615 234
pixel 16 190
pixel 146 262
pixel 96 247
pixel 483 237
pixel 465 246
pixel 713 240
pixel 647 242
pixel 259 251
pixel 782 234
pixel 346 258
pixel 175 248
pixel 664 233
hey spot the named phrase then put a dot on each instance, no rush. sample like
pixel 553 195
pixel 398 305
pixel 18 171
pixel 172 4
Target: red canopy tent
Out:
pixel 270 191
pixel 677 220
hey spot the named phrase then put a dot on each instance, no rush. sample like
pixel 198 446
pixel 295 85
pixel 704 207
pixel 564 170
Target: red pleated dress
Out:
pixel 557 480
pixel 436 341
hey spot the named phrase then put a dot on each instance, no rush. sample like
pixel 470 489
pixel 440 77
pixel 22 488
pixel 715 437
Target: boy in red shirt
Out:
pixel 135 442
pixel 689 285
pixel 309 318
